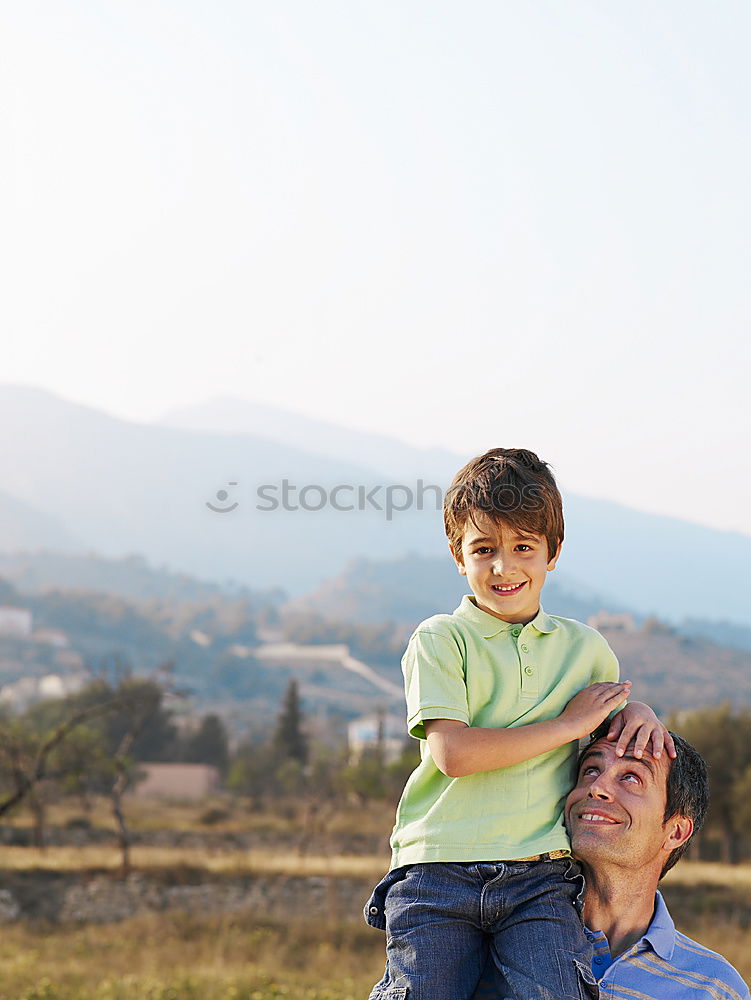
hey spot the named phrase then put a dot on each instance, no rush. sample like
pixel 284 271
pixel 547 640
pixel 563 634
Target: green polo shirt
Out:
pixel 486 672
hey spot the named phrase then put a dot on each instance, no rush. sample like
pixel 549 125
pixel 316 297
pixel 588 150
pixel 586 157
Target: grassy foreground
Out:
pixel 190 957
pixel 193 956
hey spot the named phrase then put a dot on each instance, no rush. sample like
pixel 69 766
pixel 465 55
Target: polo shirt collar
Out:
pixel 491 626
pixel 660 935
pixel 661 931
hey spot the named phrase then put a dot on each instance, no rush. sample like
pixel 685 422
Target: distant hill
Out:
pixel 132 577
pixel 229 415
pixel 24 527
pixel 122 487
pixel 671 668
pixel 413 587
pixel 235 651
pixel 118 488
pixel 672 671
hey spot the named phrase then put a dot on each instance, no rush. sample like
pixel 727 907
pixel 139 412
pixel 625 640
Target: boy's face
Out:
pixel 505 568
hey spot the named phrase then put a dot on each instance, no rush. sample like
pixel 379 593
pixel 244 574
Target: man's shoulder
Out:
pixel 708 968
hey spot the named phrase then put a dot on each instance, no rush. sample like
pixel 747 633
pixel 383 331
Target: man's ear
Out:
pixel 457 557
pixel 554 558
pixel 677 831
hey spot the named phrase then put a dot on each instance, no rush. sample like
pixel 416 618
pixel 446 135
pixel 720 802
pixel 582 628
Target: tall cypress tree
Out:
pixel 289 740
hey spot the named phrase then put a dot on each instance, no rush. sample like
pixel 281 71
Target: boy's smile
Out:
pixel 505 568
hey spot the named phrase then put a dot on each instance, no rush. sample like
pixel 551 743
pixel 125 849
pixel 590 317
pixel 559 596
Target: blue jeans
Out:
pixel 446 923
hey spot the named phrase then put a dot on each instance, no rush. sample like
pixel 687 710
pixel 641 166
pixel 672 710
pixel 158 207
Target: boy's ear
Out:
pixel 457 557
pixel 554 558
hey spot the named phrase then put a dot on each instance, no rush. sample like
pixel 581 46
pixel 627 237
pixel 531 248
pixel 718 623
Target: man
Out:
pixel 630 819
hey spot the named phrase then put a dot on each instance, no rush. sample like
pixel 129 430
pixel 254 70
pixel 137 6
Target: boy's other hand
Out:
pixel 590 707
pixel 639 723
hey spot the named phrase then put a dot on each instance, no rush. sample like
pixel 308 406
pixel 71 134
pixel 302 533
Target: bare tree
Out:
pixel 26 755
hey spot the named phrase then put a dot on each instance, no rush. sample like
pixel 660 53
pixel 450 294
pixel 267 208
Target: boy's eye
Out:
pixel 523 547
pixel 483 550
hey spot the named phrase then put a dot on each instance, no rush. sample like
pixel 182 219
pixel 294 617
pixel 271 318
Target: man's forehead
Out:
pixel 604 750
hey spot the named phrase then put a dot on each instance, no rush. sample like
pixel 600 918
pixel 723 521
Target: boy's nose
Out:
pixel 502 564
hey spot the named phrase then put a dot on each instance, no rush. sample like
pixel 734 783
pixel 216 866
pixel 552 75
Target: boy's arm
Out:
pixel 459 750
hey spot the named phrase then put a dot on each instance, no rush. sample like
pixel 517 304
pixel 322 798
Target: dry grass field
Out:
pixel 190 957
pixel 180 956
pixel 155 860
pixel 244 956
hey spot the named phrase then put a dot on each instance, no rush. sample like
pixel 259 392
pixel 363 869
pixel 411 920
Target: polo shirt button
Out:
pixel 525 648
pixel 529 671
pixel 515 631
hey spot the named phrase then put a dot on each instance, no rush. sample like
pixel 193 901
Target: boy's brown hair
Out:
pixel 511 486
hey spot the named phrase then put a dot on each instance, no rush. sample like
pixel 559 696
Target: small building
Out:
pixel 15 622
pixel 29 690
pixel 185 782
pixel 199 638
pixel 607 621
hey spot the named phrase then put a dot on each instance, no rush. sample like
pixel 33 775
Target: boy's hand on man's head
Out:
pixel 639 723
pixel 590 707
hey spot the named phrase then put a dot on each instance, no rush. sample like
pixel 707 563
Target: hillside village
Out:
pixel 234 653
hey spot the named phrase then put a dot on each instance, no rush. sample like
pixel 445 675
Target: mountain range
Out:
pixel 194 493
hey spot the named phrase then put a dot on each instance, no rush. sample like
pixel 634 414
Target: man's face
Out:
pixel 615 811
pixel 505 569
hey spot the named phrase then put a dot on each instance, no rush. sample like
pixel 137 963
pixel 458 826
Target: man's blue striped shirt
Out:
pixel 664 965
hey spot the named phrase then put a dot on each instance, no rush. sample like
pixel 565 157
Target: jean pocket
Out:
pixel 588 988
pixel 390 993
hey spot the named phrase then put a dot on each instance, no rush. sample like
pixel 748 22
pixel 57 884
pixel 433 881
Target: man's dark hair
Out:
pixel 687 792
pixel 511 486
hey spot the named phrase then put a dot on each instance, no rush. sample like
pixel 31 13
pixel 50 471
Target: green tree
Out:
pixel 723 738
pixel 289 741
pixel 209 744
pixel 33 753
pixel 251 771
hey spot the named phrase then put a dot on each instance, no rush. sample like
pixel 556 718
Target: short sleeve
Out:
pixel 605 666
pixel 434 681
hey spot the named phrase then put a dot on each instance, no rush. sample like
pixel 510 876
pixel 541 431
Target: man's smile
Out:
pixel 597 817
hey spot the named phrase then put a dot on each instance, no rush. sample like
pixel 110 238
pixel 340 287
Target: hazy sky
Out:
pixel 459 224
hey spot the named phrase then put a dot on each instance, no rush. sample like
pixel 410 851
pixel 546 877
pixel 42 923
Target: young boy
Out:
pixel 499 692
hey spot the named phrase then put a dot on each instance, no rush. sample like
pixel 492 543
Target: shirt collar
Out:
pixel 661 932
pixel 660 935
pixel 491 626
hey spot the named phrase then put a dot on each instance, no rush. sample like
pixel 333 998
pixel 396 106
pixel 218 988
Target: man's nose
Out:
pixel 601 788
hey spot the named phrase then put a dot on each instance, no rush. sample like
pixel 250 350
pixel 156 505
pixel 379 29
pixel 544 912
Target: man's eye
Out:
pixel 590 772
pixel 632 777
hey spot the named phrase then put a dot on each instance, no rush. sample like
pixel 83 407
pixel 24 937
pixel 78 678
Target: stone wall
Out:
pixel 66 898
